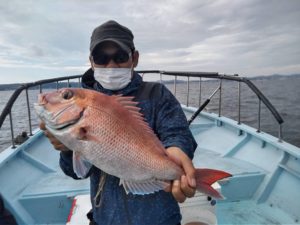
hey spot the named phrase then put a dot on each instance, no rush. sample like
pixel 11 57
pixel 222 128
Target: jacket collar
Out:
pixel 88 81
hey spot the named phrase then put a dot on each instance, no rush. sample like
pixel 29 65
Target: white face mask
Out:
pixel 113 78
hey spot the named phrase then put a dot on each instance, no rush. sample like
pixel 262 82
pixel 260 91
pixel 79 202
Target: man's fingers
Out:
pixel 61 147
pixel 49 135
pixel 181 189
pixel 177 193
pixel 42 126
pixel 189 170
pixel 57 144
pixel 53 140
pixel 46 133
pixel 168 188
pixel 58 147
pixel 185 187
pixel 178 156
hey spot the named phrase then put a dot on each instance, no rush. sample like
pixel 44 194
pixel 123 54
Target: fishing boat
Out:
pixel 264 188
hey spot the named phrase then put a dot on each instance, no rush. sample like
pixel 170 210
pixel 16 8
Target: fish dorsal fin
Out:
pixel 144 187
pixel 138 118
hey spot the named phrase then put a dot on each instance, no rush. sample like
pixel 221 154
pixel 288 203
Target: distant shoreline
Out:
pixel 9 87
pixel 13 86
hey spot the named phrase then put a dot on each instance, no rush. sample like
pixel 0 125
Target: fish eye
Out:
pixel 67 94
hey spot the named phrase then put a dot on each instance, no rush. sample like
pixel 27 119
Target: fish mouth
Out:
pixel 64 125
pixel 49 118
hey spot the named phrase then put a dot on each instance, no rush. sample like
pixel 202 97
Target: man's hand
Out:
pixel 186 186
pixel 56 143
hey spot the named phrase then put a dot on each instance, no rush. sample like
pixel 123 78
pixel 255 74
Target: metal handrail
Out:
pixel 214 75
pixel 235 77
pixel 25 86
pixel 7 109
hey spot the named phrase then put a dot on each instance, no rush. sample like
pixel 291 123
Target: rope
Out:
pixel 98 197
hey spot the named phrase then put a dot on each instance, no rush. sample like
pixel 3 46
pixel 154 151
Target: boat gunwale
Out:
pixel 268 138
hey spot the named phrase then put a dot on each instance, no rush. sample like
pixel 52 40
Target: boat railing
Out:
pixel 214 75
pixel 25 87
pixel 194 75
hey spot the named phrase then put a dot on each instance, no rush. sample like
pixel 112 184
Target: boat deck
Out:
pixel 249 212
pixel 264 188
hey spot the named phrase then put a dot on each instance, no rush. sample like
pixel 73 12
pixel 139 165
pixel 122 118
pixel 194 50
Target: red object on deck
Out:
pixel 72 209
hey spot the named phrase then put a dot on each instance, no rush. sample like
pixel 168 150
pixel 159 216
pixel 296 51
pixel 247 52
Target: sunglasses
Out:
pixel 102 58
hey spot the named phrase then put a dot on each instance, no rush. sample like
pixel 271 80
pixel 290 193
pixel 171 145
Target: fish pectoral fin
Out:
pixel 144 187
pixel 80 166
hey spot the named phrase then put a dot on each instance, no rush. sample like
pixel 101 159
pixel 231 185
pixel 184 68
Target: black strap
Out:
pixel 89 215
pixel 148 90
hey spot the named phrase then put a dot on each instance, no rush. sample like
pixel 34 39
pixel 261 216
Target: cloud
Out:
pixel 246 37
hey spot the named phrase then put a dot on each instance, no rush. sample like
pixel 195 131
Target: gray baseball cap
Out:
pixel 115 32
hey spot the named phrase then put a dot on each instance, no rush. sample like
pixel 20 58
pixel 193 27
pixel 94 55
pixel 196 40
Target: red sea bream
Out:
pixel 110 133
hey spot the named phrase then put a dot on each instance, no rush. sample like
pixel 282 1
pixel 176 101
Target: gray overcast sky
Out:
pixel 43 39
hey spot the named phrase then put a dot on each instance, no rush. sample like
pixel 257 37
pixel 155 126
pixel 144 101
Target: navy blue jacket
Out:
pixel 163 113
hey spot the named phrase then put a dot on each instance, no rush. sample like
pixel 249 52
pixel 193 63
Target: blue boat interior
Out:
pixel 264 188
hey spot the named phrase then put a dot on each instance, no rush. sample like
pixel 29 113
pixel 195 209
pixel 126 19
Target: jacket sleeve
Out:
pixel 171 124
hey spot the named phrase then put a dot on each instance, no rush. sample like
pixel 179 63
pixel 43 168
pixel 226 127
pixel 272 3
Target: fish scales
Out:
pixel 121 147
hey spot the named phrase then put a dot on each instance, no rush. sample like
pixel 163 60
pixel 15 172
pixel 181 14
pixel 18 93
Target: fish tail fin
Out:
pixel 206 177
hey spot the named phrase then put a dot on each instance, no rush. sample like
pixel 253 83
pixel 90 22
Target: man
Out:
pixel 113 57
